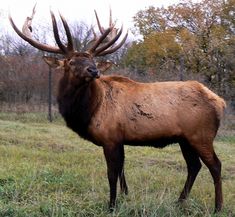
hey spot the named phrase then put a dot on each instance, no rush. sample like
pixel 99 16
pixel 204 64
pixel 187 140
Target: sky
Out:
pixel 123 10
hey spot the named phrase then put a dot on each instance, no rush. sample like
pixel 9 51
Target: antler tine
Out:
pixel 111 23
pixel 109 43
pixel 56 33
pixel 108 38
pixel 93 31
pixel 70 46
pixel 112 50
pixel 27 37
pixel 110 17
pixel 99 41
pixel 27 27
pixel 98 23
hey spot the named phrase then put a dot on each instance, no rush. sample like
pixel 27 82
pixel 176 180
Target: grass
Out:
pixel 47 170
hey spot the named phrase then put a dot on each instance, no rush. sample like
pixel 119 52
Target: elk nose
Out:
pixel 95 73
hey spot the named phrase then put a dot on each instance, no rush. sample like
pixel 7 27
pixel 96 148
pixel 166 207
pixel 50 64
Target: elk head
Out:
pixel 77 65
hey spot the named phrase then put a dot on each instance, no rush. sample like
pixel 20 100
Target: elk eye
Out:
pixel 71 62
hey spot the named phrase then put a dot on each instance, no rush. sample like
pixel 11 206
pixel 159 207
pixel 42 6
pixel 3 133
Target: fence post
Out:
pixel 49 117
pixel 181 72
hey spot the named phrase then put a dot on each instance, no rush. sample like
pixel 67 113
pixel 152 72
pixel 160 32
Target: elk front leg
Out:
pixel 114 160
pixel 123 185
pixel 121 174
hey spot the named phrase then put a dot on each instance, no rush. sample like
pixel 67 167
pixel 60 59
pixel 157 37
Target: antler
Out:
pixel 107 38
pixel 70 48
pixel 27 29
pixel 111 35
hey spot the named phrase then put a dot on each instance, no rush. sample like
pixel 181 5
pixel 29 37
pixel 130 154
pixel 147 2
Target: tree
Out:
pixel 198 35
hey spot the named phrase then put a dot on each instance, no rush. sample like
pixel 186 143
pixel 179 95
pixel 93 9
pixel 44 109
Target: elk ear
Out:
pixel 54 62
pixel 104 65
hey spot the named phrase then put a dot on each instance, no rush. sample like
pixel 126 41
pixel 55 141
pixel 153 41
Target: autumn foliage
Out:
pixel 185 41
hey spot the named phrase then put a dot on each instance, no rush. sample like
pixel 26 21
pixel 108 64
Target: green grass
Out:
pixel 47 170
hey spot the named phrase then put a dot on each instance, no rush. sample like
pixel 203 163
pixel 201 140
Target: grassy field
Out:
pixel 47 170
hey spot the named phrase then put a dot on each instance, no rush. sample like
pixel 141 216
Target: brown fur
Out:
pixel 112 111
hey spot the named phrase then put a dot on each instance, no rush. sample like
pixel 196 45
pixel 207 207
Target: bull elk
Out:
pixel 111 111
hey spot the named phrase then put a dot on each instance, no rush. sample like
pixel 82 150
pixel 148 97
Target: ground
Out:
pixel 47 170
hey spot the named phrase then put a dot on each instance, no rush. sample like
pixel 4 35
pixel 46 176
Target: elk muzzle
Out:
pixel 93 71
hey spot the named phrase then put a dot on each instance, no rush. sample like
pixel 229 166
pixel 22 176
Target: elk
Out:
pixel 111 111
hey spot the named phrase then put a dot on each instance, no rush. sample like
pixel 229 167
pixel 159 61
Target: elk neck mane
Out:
pixel 78 104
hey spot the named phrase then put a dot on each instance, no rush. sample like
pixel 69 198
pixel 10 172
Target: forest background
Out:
pixel 186 41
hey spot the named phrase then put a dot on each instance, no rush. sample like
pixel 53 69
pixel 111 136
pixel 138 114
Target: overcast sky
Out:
pixel 123 10
pixel 77 10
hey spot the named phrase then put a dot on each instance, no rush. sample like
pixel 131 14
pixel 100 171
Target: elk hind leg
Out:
pixel 213 163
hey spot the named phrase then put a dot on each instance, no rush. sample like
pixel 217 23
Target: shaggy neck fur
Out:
pixel 78 103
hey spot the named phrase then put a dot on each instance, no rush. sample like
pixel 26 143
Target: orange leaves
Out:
pixel 160 45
